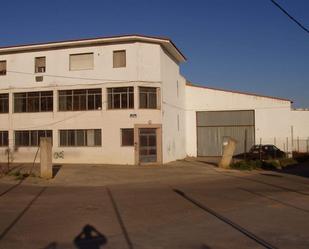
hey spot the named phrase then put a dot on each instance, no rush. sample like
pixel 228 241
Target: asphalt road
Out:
pixel 187 205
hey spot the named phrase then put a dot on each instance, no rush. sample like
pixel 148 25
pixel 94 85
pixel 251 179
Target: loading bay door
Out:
pixel 214 126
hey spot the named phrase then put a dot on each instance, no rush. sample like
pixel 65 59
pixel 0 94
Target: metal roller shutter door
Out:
pixel 214 126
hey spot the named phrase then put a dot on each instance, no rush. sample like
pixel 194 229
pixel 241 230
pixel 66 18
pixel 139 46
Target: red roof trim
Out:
pixel 98 38
pixel 232 91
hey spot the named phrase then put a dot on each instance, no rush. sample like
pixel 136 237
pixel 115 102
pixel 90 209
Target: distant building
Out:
pixel 122 100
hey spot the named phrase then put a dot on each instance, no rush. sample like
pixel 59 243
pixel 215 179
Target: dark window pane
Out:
pixel 80 138
pixel 71 137
pixel 97 137
pixel 91 102
pixel 4 138
pixel 116 101
pixel 34 138
pixel 127 137
pixel 63 138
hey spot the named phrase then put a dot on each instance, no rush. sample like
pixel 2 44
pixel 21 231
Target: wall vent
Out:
pixel 38 78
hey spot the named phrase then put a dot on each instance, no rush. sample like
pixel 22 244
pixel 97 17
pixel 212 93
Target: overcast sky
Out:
pixel 246 45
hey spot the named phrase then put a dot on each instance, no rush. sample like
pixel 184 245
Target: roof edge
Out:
pixel 238 92
pixel 54 44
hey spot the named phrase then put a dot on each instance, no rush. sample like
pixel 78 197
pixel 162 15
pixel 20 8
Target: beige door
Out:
pixel 147 140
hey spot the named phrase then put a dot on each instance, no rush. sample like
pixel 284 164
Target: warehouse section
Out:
pixel 213 127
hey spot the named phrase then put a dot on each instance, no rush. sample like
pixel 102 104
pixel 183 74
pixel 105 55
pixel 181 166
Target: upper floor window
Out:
pixel 4 103
pixel 4 138
pixel 119 58
pixel 148 97
pixel 33 101
pixel 81 61
pixel 120 97
pixel 80 99
pixel 2 68
pixel 31 138
pixel 40 65
pixel 91 137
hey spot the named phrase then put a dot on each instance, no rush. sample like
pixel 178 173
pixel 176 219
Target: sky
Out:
pixel 244 45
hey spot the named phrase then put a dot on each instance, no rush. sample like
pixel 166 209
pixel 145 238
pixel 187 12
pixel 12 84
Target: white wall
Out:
pixel 272 116
pixel 173 115
pixel 143 64
pixel 300 123
pixel 143 69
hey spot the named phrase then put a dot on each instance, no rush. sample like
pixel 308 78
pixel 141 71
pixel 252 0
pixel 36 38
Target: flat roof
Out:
pixel 163 41
pixel 238 92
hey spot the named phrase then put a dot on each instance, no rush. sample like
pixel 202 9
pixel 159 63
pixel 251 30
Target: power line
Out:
pixel 290 16
pixel 80 78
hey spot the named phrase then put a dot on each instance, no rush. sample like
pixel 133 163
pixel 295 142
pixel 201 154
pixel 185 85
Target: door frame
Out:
pixel 158 128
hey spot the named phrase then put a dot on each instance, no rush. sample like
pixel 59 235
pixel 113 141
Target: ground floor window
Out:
pixel 127 137
pixel 4 138
pixel 31 138
pixel 82 137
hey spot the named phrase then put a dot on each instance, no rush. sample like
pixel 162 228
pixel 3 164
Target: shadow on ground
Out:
pixel 88 238
pixel 299 169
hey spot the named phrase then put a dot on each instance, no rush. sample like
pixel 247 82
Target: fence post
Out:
pixel 46 157
pixel 292 137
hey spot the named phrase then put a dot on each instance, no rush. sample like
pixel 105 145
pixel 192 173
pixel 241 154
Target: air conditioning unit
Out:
pixel 39 78
pixel 40 69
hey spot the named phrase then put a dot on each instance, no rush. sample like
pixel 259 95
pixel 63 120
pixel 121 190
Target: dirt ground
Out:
pixel 179 205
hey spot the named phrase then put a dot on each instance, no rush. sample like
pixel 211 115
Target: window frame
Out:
pixel 27 98
pixel 125 58
pixel 121 137
pixel 71 94
pixel 4 72
pixel 129 96
pixel 157 94
pixel 30 133
pixel 77 54
pixel 36 67
pixel 3 142
pixel 4 97
pixel 85 134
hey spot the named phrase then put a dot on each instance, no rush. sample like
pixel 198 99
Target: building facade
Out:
pixel 122 100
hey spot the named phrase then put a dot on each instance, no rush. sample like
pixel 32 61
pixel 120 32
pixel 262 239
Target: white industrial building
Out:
pixel 122 100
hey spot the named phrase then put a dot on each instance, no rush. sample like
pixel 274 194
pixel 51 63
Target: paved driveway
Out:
pixel 181 205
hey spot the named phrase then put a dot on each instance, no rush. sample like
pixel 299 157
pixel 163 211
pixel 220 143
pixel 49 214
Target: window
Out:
pixel 148 97
pixel 2 68
pixel 120 97
pixel 127 137
pixel 119 58
pixel 80 99
pixel 4 138
pixel 31 138
pixel 40 65
pixel 81 61
pixel 33 101
pixel 80 137
pixel 4 103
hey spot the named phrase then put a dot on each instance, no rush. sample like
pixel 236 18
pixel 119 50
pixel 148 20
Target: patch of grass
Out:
pixel 246 165
pixel 301 156
pixel 287 162
pixel 256 164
